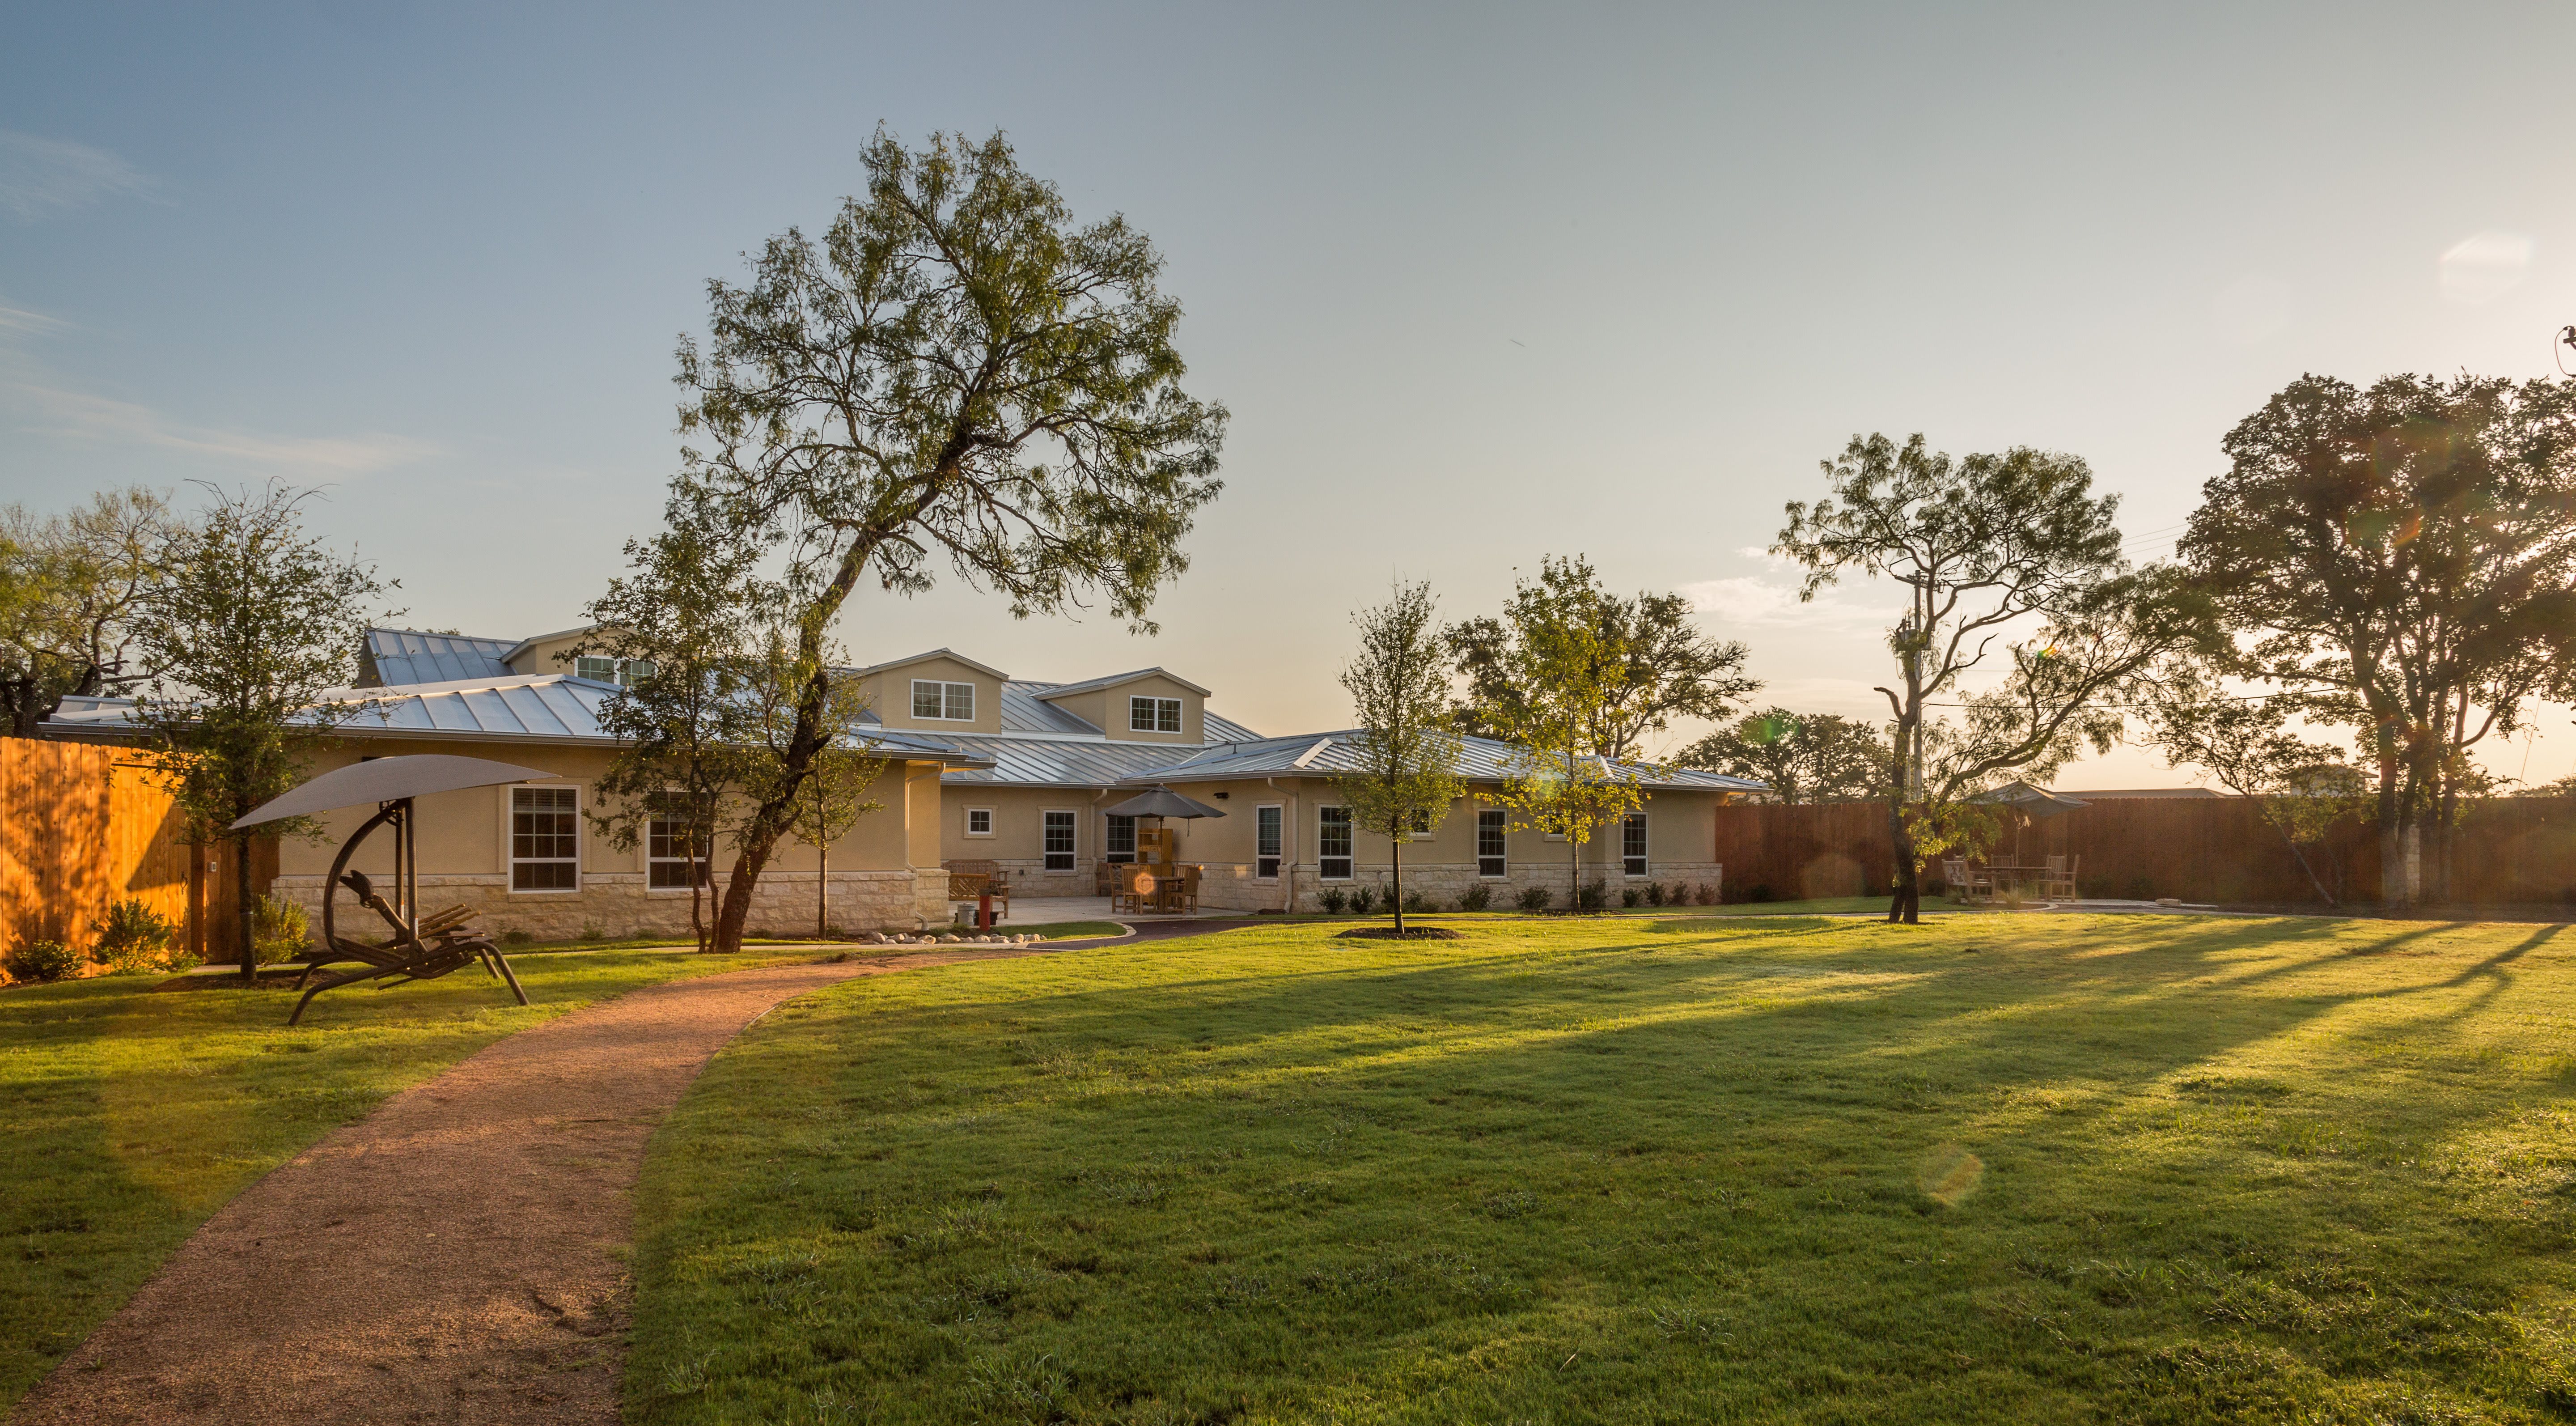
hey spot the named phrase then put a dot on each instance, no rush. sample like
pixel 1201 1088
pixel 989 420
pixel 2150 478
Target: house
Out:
pixel 987 767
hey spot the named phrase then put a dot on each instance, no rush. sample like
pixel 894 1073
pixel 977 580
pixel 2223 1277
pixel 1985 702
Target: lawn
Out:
pixel 1996 1167
pixel 129 1115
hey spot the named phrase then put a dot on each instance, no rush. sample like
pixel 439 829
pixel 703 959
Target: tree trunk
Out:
pixel 822 892
pixel 734 910
pixel 249 913
pixel 2392 839
pixel 1395 851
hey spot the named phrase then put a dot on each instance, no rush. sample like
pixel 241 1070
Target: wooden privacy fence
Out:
pixel 83 827
pixel 2509 850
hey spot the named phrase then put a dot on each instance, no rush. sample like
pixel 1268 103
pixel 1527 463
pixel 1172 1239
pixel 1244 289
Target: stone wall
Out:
pixel 615 905
pixel 1233 888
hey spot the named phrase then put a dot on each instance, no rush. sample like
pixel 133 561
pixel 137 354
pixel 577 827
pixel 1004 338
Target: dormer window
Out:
pixel 949 702
pixel 626 672
pixel 1154 715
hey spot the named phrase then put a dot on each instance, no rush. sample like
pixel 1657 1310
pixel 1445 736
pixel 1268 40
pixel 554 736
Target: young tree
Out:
pixel 959 371
pixel 71 587
pixel 687 611
pixel 2402 557
pixel 1820 757
pixel 1987 546
pixel 1567 674
pixel 1654 664
pixel 249 629
pixel 2246 743
pixel 1408 749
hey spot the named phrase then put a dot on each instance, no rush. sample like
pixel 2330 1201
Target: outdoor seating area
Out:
pixel 2012 878
pixel 971 881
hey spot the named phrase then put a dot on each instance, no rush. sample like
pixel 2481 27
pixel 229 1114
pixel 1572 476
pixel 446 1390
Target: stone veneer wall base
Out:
pixel 617 905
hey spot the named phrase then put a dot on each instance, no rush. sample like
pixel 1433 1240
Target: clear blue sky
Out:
pixel 1479 283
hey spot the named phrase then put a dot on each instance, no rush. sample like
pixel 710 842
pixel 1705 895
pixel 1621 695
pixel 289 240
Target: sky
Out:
pixel 1479 283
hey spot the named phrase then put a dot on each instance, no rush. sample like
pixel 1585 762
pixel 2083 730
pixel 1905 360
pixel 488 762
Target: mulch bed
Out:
pixel 1389 933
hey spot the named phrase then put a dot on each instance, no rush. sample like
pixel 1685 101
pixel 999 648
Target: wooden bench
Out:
pixel 970 879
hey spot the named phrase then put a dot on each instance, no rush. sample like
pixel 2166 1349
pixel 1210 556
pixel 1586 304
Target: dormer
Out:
pixel 1145 706
pixel 941 691
pixel 553 653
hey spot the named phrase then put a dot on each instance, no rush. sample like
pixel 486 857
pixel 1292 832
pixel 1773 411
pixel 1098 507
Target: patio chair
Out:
pixel 2062 873
pixel 1954 877
pixel 1181 893
pixel 1133 889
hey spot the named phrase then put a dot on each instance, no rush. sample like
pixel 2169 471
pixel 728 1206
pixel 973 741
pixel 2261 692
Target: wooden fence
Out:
pixel 2510 851
pixel 83 827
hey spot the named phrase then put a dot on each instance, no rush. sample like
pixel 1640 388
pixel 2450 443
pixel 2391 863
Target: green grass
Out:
pixel 1709 1169
pixel 129 1116
pixel 1066 930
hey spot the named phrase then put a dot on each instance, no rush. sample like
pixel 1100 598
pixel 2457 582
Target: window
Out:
pixel 1632 845
pixel 1153 715
pixel 1333 843
pixel 1421 827
pixel 949 702
pixel 545 839
pixel 1059 841
pixel 670 861
pixel 979 821
pixel 1265 842
pixel 1122 839
pixel 628 672
pixel 1491 823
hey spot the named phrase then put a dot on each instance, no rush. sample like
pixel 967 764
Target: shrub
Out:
pixel 1630 896
pixel 279 931
pixel 1476 898
pixel 516 938
pixel 40 960
pixel 1654 893
pixel 1535 898
pixel 1593 897
pixel 1707 894
pixel 1757 893
pixel 591 931
pixel 1334 900
pixel 1363 899
pixel 135 940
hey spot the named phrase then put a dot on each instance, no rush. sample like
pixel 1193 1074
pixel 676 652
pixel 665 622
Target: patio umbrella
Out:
pixel 1163 802
pixel 2033 803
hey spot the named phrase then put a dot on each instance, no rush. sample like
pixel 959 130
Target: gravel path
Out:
pixel 457 1257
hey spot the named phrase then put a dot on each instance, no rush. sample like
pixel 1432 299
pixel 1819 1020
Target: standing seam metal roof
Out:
pixel 403 656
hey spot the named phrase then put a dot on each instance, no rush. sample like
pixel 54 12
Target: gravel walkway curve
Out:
pixel 457 1257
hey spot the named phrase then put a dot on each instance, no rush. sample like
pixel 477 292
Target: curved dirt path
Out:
pixel 457 1257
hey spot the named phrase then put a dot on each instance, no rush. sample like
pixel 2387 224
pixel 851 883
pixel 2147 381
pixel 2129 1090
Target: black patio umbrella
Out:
pixel 1163 802
pixel 2035 804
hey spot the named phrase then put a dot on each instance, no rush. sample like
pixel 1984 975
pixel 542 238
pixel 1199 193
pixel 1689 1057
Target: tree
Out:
pixel 1820 757
pixel 1566 672
pixel 1408 750
pixel 1654 664
pixel 2400 558
pixel 687 611
pixel 71 587
pixel 955 371
pixel 1988 547
pixel 2246 743
pixel 249 629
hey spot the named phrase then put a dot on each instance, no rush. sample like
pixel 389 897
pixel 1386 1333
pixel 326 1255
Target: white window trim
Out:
pixel 1076 814
pixel 709 862
pixel 987 833
pixel 943 685
pixel 1282 856
pixel 1354 858
pixel 510 846
pixel 1109 852
pixel 1153 711
pixel 1648 858
pixel 1478 851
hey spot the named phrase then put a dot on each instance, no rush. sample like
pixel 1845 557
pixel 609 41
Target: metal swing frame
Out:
pixel 421 948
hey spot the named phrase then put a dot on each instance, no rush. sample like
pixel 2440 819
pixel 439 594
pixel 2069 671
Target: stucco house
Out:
pixel 988 767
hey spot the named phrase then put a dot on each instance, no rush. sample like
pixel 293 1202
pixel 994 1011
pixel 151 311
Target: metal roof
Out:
pixel 1326 754
pixel 1054 762
pixel 1061 690
pixel 940 653
pixel 409 656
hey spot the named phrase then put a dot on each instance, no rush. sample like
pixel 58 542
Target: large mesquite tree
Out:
pixel 955 372
pixel 2012 556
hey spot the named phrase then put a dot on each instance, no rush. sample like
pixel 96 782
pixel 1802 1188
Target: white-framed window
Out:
pixel 1119 845
pixel 545 839
pixel 979 821
pixel 671 860
pixel 1333 843
pixel 1059 843
pixel 1153 715
pixel 1632 844
pixel 949 702
pixel 1268 822
pixel 1421 827
pixel 627 672
pixel 1492 823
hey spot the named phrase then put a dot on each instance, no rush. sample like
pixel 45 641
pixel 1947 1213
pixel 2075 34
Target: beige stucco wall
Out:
pixel 545 655
pixel 884 872
pixel 1106 709
pixel 889 692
